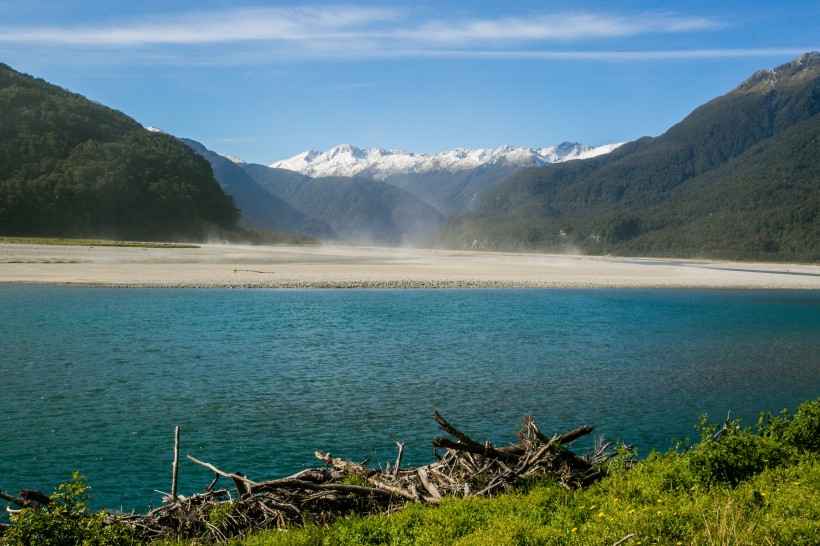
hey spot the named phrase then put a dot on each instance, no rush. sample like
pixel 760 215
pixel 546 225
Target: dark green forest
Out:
pixel 70 167
pixel 739 178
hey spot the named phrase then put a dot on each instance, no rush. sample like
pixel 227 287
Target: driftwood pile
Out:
pixel 466 468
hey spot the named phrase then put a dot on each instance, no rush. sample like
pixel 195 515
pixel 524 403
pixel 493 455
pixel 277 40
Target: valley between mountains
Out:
pixel 737 179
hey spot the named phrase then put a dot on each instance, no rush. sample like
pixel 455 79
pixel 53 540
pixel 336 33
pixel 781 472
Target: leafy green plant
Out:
pixel 801 431
pixel 66 522
pixel 736 458
pixel 731 454
pixel 355 479
pixel 219 513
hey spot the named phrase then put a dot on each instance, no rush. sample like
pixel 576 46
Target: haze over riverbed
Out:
pixel 237 266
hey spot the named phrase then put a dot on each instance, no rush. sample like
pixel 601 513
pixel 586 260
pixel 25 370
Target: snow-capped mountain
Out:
pixel 381 164
pixel 451 181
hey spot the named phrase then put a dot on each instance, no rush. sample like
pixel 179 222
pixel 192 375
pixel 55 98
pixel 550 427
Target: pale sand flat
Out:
pixel 235 266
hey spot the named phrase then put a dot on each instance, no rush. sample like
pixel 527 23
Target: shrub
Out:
pixel 66 522
pixel 734 454
pixel 801 431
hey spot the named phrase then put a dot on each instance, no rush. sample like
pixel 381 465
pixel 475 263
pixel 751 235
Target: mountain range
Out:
pixel 358 210
pixel 374 196
pixel 381 164
pixel 738 178
pixel 451 181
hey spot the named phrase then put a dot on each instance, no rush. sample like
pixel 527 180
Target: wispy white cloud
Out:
pixel 239 25
pixel 387 26
pixel 254 36
pixel 611 55
pixel 554 27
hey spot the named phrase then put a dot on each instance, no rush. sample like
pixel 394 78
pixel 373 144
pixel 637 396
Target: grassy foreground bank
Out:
pixel 649 505
pixel 736 485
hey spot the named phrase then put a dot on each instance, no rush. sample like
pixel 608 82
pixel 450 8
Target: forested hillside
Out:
pixel 359 210
pixel 259 208
pixel 738 178
pixel 72 167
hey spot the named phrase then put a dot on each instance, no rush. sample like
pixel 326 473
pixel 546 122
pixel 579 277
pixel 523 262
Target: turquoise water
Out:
pixel 96 379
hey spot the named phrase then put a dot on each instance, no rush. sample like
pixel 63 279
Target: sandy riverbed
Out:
pixel 214 266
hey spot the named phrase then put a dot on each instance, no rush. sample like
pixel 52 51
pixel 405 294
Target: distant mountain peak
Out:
pixel 804 67
pixel 380 163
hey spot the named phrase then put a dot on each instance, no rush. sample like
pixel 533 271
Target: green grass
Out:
pixel 749 487
pixel 88 242
pixel 654 502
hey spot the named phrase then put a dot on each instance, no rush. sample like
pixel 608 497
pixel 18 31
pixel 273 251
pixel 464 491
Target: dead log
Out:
pixel 234 477
pixel 574 434
pixel 453 431
pixel 538 434
pixel 428 485
pixel 23 503
pixel 466 468
pixel 35 496
pixel 175 466
pixel 346 466
pixel 478 449
pixel 398 458
pixel 316 475
pixel 210 486
pixel 287 483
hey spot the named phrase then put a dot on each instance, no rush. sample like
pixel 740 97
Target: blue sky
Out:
pixel 266 80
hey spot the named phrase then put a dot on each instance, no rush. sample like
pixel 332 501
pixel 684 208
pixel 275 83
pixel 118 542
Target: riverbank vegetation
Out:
pixel 736 484
pixel 241 236
pixel 88 242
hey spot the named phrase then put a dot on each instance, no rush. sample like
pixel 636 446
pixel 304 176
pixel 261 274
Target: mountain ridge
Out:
pixel 381 163
pixel 358 210
pixel 451 181
pixel 803 67
pixel 71 167
pixel 648 196
pixel 259 208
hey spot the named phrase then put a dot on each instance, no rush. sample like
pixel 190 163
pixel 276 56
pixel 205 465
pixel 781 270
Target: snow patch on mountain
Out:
pixel 233 159
pixel 379 164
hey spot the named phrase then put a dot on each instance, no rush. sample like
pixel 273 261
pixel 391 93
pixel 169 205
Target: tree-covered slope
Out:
pixel 259 208
pixel 359 210
pixel 764 205
pixel 452 191
pixel 72 167
pixel 655 196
